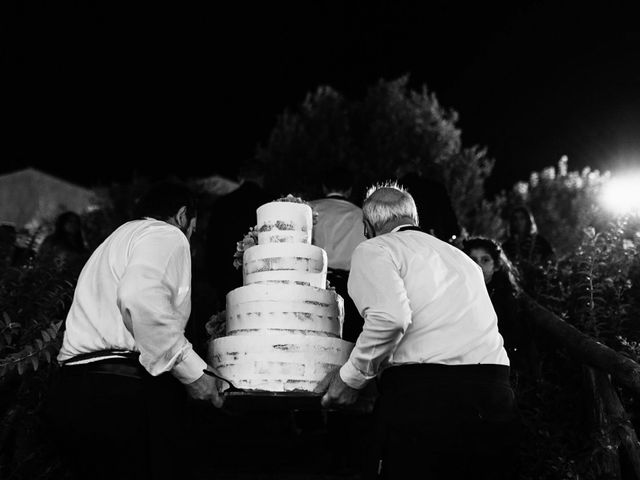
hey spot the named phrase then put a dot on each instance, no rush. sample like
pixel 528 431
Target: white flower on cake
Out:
pixel 216 325
pixel 292 199
pixel 328 286
pixel 249 240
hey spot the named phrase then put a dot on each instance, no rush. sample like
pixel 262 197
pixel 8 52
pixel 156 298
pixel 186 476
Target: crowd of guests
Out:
pixel 402 255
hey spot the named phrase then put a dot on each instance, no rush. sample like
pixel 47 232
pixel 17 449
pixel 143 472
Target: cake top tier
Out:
pixel 284 221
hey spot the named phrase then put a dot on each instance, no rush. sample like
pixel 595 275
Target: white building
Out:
pixel 31 197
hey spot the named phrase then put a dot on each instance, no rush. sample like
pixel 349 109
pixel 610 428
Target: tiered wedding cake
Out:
pixel 283 326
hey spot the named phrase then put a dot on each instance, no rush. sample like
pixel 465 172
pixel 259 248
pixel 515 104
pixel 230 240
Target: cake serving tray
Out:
pixel 256 400
pixel 239 400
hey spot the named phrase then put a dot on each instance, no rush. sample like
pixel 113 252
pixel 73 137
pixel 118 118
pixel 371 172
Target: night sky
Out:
pixel 97 92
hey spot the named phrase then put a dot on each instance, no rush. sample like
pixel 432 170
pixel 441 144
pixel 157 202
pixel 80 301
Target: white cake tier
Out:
pixel 297 263
pixel 280 222
pixel 277 362
pixel 268 308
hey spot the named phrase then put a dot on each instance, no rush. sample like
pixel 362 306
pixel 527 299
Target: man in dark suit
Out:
pixel 435 211
pixel 230 219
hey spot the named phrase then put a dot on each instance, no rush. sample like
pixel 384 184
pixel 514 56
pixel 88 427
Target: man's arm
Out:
pixel 206 388
pixel 377 289
pixel 157 278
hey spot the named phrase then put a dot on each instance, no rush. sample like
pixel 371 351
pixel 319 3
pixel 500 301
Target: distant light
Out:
pixel 621 194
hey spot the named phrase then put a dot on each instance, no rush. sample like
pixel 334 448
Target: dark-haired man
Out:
pixel 125 362
pixel 446 408
pixel 338 231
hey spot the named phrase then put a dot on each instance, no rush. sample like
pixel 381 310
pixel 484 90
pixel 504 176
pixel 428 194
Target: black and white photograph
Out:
pixel 319 240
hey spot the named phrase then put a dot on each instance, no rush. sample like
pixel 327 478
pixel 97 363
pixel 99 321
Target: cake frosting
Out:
pixel 283 326
pixel 284 222
pixel 297 263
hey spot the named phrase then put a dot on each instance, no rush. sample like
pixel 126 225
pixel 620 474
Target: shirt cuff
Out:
pixel 190 368
pixel 352 376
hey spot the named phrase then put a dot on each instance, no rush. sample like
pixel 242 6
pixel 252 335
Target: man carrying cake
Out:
pixel 430 338
pixel 126 366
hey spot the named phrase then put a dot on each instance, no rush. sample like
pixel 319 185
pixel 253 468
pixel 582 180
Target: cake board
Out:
pixel 246 401
pixel 253 401
pixel 239 400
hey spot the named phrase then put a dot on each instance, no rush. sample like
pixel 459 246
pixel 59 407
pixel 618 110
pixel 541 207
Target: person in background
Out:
pixel 501 278
pixel 526 248
pixel 66 245
pixel 230 219
pixel 524 243
pixel 339 231
pixel 126 366
pixel 435 210
pixel 446 408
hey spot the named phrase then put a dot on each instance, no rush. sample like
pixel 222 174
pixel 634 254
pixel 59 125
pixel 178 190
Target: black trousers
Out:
pixel 445 422
pixel 112 426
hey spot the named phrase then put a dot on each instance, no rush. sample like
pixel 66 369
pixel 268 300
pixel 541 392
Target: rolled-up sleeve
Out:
pixel 379 293
pixel 154 298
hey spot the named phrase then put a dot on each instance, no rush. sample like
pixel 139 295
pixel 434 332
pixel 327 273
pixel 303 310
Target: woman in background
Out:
pixel 524 243
pixel 527 249
pixel 502 281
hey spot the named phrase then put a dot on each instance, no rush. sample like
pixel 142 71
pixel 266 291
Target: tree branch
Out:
pixel 583 347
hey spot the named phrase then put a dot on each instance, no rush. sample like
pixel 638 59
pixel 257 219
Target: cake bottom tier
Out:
pixel 277 362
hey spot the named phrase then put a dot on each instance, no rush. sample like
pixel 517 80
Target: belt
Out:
pixel 101 354
pixel 122 367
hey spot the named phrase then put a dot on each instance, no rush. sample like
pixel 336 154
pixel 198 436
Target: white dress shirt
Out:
pixel 339 230
pixel 134 294
pixel 423 301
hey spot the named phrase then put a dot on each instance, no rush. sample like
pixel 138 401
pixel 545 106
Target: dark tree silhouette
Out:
pixel 391 127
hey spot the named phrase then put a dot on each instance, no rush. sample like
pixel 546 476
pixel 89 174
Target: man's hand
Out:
pixel 206 388
pixel 336 391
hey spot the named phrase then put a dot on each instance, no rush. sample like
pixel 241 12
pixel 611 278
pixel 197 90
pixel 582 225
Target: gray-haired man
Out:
pixel 430 337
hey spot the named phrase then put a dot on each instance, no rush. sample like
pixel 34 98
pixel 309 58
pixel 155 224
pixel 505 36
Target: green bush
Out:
pixel 595 289
pixel 34 299
pixel 563 203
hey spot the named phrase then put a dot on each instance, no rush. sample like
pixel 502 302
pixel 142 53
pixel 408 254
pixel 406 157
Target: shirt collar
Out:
pixel 400 226
pixel 337 195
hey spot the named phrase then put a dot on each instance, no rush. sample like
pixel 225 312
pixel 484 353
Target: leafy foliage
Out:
pixel 464 175
pixel 594 289
pixel 392 127
pixel 563 203
pixel 31 321
pixel 34 299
